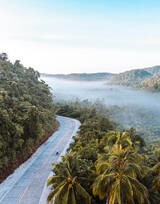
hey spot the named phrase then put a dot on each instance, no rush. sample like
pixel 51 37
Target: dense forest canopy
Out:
pixel 27 113
pixel 105 165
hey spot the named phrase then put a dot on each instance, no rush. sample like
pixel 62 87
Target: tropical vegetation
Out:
pixel 110 165
pixel 25 119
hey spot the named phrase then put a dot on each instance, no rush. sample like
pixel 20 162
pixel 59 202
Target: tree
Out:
pixel 117 181
pixel 25 119
pixel 4 56
pixel 116 137
pixel 66 188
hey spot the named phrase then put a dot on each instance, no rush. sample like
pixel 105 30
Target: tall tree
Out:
pixel 117 181
pixel 66 188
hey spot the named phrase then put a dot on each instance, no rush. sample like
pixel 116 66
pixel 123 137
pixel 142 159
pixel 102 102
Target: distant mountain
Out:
pixel 135 77
pixel 152 84
pixel 153 70
pixel 130 78
pixel 81 76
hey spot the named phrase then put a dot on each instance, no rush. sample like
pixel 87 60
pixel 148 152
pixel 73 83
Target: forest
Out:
pixel 146 78
pixel 152 84
pixel 26 120
pixel 105 164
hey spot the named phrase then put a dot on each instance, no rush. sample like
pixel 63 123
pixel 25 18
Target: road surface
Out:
pixel 27 184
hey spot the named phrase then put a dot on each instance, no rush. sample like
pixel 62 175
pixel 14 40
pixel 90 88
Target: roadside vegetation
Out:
pixel 105 164
pixel 27 114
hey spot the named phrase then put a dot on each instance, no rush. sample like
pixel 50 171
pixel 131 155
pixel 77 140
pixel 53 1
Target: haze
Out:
pixel 130 107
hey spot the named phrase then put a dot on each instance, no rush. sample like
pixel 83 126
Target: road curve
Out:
pixel 26 184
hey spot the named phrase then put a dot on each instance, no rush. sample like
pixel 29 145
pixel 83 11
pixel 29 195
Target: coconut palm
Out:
pixel 152 182
pixel 116 137
pixel 117 181
pixel 156 180
pixel 66 188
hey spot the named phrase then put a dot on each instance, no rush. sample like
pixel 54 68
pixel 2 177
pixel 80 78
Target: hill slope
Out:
pixel 153 70
pixel 152 84
pixel 134 77
pixel 25 119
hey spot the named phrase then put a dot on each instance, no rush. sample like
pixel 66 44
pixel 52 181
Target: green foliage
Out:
pixel 117 181
pixel 141 78
pixel 112 166
pixel 152 84
pixel 130 78
pixel 27 113
pixel 77 111
pixel 66 182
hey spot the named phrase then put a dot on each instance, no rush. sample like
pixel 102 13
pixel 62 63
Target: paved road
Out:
pixel 26 184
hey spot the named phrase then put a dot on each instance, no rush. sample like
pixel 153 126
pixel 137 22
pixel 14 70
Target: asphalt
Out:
pixel 27 185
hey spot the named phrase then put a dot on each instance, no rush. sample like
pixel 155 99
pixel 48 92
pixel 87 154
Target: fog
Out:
pixel 129 107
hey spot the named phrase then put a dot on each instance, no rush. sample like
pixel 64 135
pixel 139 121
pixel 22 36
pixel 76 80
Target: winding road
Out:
pixel 27 185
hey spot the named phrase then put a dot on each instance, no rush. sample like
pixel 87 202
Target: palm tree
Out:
pixel 127 139
pixel 66 188
pixel 117 181
pixel 152 182
pixel 156 180
pixel 155 171
pixel 116 137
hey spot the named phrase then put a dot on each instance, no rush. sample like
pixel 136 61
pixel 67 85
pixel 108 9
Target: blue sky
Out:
pixel 64 36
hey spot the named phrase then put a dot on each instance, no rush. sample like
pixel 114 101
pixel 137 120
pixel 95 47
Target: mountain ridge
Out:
pixel 81 76
pixel 135 77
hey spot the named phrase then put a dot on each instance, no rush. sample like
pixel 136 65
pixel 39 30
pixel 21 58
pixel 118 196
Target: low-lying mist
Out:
pixel 129 107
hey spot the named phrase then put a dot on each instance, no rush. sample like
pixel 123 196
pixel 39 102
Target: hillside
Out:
pixel 152 84
pixel 25 119
pixel 81 76
pixel 134 77
pixel 153 70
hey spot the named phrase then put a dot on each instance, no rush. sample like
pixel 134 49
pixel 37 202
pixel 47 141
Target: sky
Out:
pixel 77 36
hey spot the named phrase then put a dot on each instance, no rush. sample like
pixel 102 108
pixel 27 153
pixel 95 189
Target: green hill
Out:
pixel 152 84
pixel 82 76
pixel 153 70
pixel 25 119
pixel 134 77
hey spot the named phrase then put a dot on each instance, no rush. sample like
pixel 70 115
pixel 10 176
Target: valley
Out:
pixel 129 107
